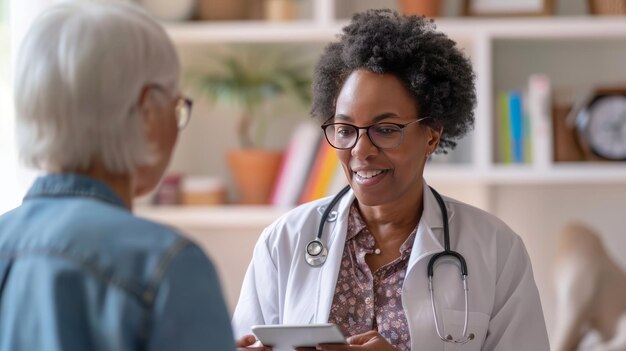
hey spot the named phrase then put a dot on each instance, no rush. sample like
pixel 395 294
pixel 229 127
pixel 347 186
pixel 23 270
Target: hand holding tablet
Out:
pixel 288 337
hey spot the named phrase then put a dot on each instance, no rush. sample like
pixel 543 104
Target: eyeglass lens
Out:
pixel 183 112
pixel 382 135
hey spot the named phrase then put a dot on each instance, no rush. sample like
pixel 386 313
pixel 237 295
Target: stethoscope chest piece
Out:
pixel 316 253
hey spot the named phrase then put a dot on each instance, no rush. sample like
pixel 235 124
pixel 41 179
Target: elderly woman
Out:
pixel 389 93
pixel 98 109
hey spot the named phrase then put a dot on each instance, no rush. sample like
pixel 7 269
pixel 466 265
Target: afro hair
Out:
pixel 430 65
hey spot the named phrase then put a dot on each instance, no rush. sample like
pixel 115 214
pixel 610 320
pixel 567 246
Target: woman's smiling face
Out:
pixel 383 176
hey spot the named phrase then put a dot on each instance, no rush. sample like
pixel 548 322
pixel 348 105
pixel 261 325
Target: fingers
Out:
pixel 361 339
pixel 245 340
pixel 370 340
pixel 355 342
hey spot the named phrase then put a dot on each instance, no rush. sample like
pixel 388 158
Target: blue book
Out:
pixel 516 114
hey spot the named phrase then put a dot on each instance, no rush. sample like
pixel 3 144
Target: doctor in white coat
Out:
pixel 389 93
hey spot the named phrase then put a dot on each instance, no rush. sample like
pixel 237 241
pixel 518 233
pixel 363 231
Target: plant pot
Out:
pixel 280 10
pixel 254 171
pixel 222 10
pixel 428 8
pixel 607 7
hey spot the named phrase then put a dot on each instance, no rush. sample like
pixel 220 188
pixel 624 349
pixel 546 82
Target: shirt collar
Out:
pixel 355 222
pixel 72 185
pixel 431 214
pixel 429 238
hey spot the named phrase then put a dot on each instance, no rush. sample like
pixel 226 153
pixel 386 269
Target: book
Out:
pixel 321 174
pixel 527 133
pixel 516 116
pixel 505 153
pixel 540 115
pixel 294 170
pixel 338 181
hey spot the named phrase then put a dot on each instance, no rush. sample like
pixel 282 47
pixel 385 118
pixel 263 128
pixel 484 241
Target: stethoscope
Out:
pixel 316 254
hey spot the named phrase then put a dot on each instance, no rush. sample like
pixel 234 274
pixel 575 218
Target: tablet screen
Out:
pixel 287 337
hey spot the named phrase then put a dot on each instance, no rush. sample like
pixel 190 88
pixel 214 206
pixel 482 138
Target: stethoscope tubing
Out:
pixel 316 254
pixel 329 208
pixel 446 240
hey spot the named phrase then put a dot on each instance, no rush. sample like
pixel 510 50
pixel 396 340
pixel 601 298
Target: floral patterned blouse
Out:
pixel 366 300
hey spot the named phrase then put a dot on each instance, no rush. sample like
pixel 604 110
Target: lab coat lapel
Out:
pixel 415 296
pixel 336 235
pixel 428 241
pixel 429 236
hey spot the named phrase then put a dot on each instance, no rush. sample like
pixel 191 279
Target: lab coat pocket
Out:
pixel 477 324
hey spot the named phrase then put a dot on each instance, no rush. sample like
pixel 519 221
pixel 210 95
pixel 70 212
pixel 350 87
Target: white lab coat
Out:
pixel 505 311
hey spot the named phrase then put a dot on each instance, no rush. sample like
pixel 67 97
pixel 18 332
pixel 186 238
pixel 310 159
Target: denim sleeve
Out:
pixel 189 312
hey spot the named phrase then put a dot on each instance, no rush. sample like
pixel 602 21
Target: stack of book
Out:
pixel 310 169
pixel 525 124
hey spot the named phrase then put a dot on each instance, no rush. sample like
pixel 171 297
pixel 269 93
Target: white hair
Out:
pixel 79 75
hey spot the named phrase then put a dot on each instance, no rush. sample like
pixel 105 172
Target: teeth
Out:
pixel 368 174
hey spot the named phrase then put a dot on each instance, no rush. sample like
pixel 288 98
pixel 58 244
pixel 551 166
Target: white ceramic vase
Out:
pixel 168 10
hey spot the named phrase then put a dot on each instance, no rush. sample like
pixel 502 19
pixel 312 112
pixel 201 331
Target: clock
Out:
pixel 601 126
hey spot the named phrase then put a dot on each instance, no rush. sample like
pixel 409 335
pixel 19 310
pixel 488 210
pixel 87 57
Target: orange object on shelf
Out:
pixel 202 191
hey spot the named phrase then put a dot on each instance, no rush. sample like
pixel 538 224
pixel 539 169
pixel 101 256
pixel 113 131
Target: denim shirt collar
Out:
pixel 72 185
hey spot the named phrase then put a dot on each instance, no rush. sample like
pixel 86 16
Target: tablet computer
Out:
pixel 288 336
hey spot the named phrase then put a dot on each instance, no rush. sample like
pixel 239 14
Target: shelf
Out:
pixel 249 32
pixel 484 39
pixel 566 173
pixel 462 29
pixel 554 28
pixel 451 173
pixel 231 217
pixel 590 173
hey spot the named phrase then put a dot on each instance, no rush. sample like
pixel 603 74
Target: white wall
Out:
pixel 539 213
pixel 14 179
pixel 9 195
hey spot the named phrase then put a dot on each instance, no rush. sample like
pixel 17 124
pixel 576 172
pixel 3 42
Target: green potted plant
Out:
pixel 248 79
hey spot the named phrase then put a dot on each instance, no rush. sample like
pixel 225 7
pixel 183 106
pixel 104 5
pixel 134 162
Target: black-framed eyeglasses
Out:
pixel 384 135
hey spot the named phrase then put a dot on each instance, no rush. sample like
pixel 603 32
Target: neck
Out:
pixel 394 221
pixel 121 184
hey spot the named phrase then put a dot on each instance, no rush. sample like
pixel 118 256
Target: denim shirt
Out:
pixel 79 272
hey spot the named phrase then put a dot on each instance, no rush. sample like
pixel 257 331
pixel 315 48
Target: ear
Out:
pixel 433 137
pixel 144 102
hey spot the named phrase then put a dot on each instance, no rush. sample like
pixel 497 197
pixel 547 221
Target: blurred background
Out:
pixel 548 147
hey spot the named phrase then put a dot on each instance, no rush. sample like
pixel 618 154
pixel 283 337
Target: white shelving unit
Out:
pixel 478 38
pixel 535 200
pixel 460 29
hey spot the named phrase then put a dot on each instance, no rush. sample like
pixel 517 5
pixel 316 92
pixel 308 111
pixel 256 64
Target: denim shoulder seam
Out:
pixel 152 286
pixel 77 193
pixel 134 290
